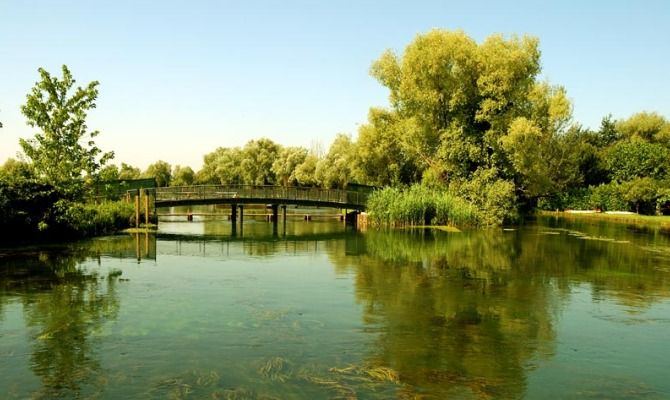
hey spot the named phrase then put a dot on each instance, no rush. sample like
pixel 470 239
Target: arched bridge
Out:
pixel 253 194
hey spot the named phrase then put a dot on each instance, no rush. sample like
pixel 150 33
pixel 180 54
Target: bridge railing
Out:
pixel 280 193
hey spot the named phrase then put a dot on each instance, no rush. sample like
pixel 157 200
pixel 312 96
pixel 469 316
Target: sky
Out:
pixel 180 78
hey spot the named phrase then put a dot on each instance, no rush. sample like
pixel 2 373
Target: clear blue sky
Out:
pixel 179 78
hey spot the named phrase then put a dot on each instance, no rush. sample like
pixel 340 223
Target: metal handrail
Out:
pixel 281 193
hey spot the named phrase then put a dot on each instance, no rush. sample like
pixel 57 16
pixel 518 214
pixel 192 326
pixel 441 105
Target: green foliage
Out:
pixel 286 164
pixel 338 167
pixel 161 171
pixel 630 159
pixel 128 172
pixel 82 220
pixel 63 150
pixel 382 154
pixel 419 205
pixel 15 170
pixel 305 173
pixel 34 210
pixel 258 156
pixel 495 198
pixel 650 127
pixel 182 176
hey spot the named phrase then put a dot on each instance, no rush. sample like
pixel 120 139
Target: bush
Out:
pixel 31 210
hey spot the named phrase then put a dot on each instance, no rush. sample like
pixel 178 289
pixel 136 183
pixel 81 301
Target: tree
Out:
pixel 182 176
pixel 15 170
pixel 338 168
pixel 305 173
pixel 460 107
pixel 382 155
pixel 287 162
pixel 222 166
pixel 161 171
pixel 257 159
pixel 109 173
pixel 651 127
pixel 128 172
pixel 630 159
pixel 64 149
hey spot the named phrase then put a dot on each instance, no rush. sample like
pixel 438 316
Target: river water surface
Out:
pixel 318 311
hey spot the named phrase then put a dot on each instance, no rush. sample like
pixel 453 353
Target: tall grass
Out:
pixel 419 205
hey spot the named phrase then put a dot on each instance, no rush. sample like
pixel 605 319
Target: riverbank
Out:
pixel 654 221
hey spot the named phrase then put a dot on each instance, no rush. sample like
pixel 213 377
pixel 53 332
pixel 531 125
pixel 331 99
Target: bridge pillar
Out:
pixel 137 209
pixel 241 215
pixel 275 218
pixel 284 214
pixel 233 213
pixel 146 207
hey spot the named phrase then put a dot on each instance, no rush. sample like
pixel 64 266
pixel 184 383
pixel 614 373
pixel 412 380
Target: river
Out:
pixel 317 310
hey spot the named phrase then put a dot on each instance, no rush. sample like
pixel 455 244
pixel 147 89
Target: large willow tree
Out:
pixel 464 112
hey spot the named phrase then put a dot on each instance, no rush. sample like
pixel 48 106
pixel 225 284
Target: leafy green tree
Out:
pixel 15 170
pixel 161 171
pixel 64 149
pixel 651 127
pixel 305 173
pixel 128 172
pixel 109 173
pixel 641 193
pixel 222 166
pixel 258 156
pixel 462 106
pixel 182 176
pixel 287 162
pixel 608 133
pixel 630 159
pixel 383 156
pixel 338 168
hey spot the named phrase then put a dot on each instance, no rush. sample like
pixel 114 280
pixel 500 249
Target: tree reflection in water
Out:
pixel 64 306
pixel 469 314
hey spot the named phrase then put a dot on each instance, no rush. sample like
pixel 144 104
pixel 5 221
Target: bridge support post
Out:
pixel 233 213
pixel 283 208
pixel 146 207
pixel 137 209
pixel 241 215
pixel 275 218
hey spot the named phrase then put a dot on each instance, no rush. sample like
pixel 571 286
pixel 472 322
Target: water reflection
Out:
pixel 63 306
pixel 320 311
pixel 469 314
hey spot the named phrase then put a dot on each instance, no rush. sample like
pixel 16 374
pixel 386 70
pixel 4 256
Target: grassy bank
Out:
pixel 653 221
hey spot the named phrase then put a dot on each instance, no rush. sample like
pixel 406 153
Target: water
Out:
pixel 549 310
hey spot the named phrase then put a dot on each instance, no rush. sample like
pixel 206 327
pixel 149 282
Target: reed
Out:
pixel 420 206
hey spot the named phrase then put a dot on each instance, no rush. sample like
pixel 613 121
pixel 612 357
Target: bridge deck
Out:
pixel 250 194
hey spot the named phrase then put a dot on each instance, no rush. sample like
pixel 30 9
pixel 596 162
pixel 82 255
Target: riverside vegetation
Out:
pixel 472 136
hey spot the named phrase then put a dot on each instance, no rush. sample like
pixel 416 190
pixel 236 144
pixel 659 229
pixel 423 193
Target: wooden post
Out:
pixel 241 215
pixel 284 212
pixel 146 207
pixel 275 215
pixel 137 209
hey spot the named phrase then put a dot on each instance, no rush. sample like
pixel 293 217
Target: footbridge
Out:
pixel 237 196
pixel 253 194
